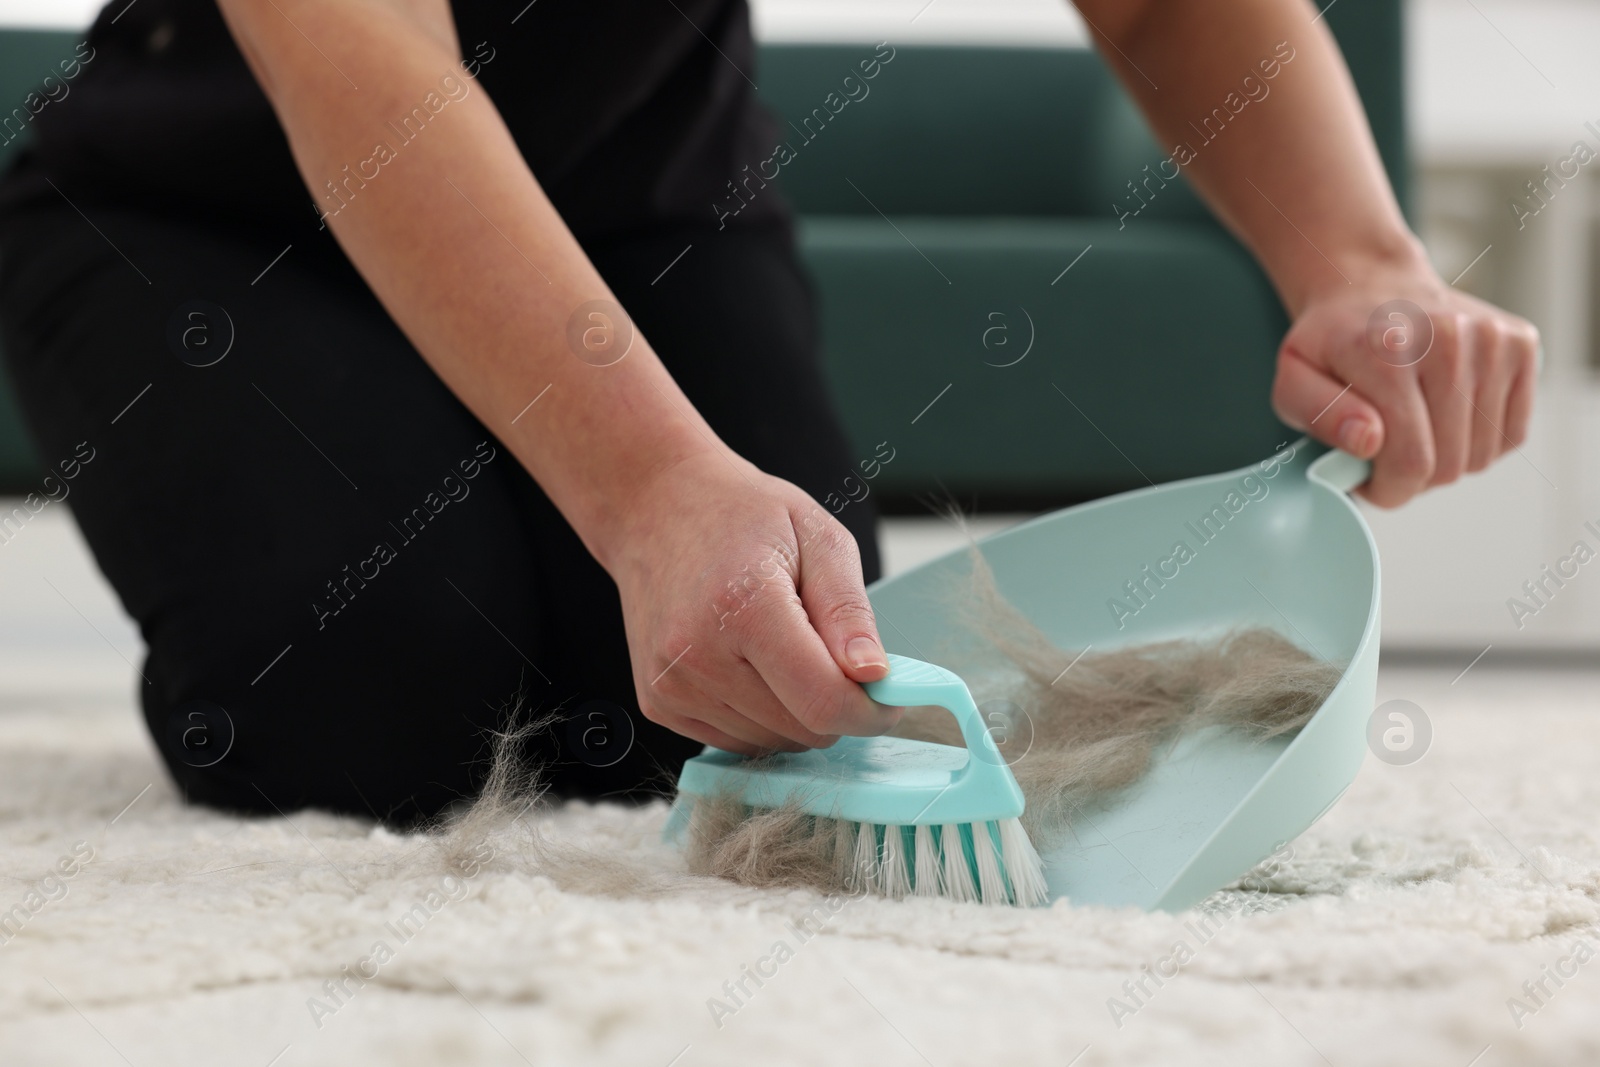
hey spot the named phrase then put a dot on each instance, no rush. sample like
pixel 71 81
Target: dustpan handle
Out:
pixel 1317 462
pixel 914 683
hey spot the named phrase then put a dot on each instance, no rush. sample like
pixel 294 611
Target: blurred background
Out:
pixel 959 222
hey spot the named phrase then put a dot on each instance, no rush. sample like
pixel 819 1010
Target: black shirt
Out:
pixel 629 112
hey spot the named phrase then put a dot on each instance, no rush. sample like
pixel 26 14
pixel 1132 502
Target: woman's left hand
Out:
pixel 1399 368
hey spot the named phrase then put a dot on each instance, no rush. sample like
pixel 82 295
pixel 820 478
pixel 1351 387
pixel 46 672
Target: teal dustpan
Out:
pixel 1277 544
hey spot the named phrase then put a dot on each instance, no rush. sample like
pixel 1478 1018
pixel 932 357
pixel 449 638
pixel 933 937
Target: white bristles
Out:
pixel 927 864
pixel 957 874
pixel 990 880
pixel 896 880
pixel 1023 867
pixel 868 874
pixel 935 862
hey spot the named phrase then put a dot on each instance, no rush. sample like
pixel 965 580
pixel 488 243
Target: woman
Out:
pixel 343 556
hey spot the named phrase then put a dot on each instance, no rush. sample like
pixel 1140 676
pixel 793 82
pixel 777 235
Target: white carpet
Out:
pixel 1395 934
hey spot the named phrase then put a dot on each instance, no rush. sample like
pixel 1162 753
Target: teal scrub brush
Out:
pixel 907 818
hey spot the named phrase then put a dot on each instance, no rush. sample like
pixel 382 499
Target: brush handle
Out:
pixel 889 781
pixel 914 683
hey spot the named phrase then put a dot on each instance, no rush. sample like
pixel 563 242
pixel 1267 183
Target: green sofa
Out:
pixel 939 214
pixel 939 211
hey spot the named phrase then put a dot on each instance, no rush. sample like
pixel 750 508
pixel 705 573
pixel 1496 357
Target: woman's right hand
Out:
pixel 747 618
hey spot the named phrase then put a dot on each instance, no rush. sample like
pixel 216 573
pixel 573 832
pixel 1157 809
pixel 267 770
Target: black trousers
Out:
pixel 342 577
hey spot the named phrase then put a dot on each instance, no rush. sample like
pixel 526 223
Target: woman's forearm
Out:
pixel 459 242
pixel 1253 100
pixel 1294 172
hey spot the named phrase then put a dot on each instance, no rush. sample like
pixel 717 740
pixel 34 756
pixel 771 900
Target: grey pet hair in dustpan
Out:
pixel 1097 718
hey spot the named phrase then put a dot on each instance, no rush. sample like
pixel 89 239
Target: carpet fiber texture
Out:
pixel 1445 910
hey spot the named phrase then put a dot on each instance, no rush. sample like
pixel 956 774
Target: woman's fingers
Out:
pixel 1409 456
pixel 1383 415
pixel 1447 379
pixel 801 673
pixel 745 691
pixel 835 598
pixel 1312 401
pixel 747 615
pixel 1524 356
pixel 694 689
pixel 813 641
pixel 1448 376
pixel 707 734
pixel 1497 373
pixel 768 669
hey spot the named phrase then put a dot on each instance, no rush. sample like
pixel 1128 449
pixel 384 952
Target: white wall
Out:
pixel 59 14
